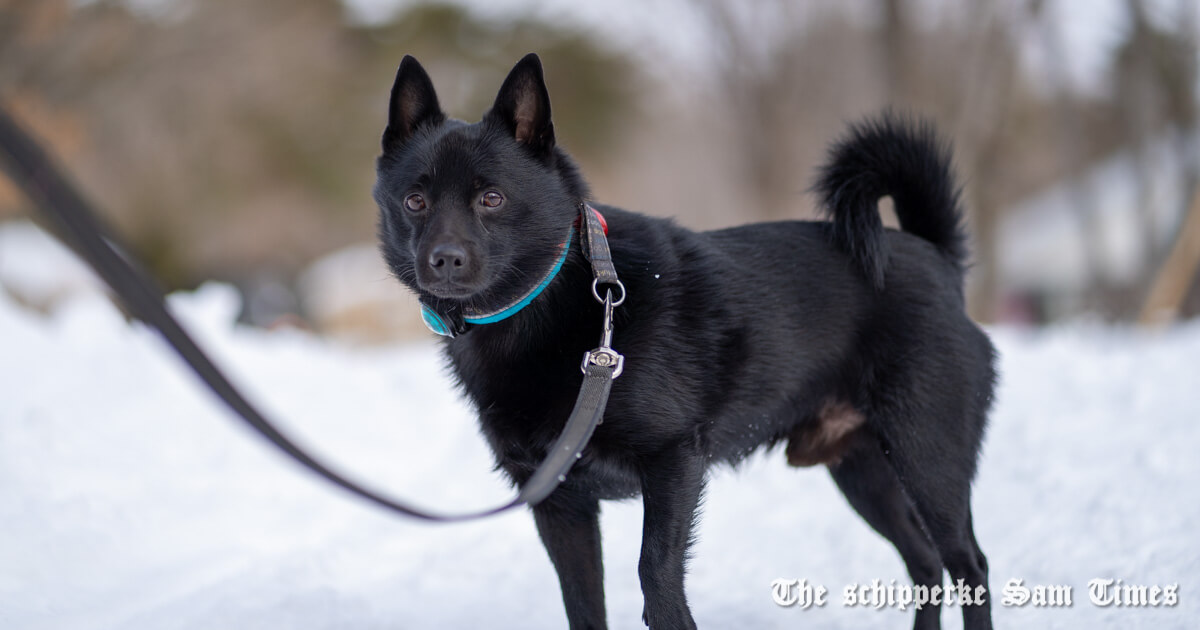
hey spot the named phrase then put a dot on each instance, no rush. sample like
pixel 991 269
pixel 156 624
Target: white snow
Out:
pixel 37 269
pixel 130 499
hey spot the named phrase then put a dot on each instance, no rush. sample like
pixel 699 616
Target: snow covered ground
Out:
pixel 130 499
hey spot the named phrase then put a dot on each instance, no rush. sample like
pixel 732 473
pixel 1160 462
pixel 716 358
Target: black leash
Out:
pixel 31 169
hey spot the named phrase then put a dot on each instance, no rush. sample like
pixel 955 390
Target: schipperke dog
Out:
pixel 846 340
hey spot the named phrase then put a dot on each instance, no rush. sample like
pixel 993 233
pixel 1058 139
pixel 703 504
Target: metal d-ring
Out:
pixel 616 283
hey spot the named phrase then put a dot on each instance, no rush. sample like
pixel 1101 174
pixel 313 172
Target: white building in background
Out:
pixel 1103 225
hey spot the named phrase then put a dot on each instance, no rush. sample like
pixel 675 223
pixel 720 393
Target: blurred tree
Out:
pixel 1167 296
pixel 779 72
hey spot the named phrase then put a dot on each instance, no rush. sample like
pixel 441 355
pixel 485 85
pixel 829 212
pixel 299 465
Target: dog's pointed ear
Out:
pixel 414 103
pixel 523 106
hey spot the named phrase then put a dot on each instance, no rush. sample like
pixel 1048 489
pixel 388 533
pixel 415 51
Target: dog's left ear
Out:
pixel 523 106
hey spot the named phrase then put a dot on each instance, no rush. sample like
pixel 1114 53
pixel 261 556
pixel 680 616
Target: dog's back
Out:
pixel 841 314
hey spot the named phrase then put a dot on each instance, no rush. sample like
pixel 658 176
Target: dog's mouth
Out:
pixel 450 290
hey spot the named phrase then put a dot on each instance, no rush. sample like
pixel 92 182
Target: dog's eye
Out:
pixel 491 199
pixel 414 202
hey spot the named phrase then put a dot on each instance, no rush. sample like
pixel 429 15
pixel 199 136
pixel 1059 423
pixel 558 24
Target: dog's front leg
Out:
pixel 570 529
pixel 671 486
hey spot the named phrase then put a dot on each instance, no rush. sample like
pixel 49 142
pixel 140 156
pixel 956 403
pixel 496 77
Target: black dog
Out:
pixel 846 339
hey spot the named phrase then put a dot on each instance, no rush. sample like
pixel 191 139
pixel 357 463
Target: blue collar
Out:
pixel 440 324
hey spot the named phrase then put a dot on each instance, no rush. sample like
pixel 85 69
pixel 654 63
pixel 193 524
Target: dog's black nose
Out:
pixel 446 258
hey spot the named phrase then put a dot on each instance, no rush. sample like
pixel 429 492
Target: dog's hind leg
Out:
pixel 569 526
pixel 874 491
pixel 940 488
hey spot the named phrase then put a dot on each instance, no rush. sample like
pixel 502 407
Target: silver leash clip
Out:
pixel 605 356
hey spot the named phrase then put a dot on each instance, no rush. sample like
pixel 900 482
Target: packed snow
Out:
pixel 132 499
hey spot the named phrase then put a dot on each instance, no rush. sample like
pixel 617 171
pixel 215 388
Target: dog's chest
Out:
pixel 524 401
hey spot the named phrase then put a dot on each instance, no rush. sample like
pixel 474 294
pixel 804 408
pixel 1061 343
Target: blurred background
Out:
pixel 234 140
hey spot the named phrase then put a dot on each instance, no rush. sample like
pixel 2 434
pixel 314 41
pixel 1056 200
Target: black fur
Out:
pixel 847 340
pixel 868 164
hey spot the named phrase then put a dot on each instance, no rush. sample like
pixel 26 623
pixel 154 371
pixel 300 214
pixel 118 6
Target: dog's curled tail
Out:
pixel 907 161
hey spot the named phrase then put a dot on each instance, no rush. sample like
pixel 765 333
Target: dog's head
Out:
pixel 473 212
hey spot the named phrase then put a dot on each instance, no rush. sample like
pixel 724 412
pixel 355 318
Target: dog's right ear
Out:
pixel 523 106
pixel 414 103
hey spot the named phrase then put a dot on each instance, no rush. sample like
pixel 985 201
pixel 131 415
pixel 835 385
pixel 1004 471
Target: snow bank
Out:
pixel 38 270
pixel 132 500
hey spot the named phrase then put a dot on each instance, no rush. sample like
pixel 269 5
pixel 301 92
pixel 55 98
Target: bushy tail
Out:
pixel 907 161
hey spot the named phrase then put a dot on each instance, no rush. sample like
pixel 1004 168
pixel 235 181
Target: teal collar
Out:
pixel 441 325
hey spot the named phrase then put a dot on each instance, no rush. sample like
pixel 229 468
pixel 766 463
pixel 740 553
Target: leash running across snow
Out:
pixel 32 170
